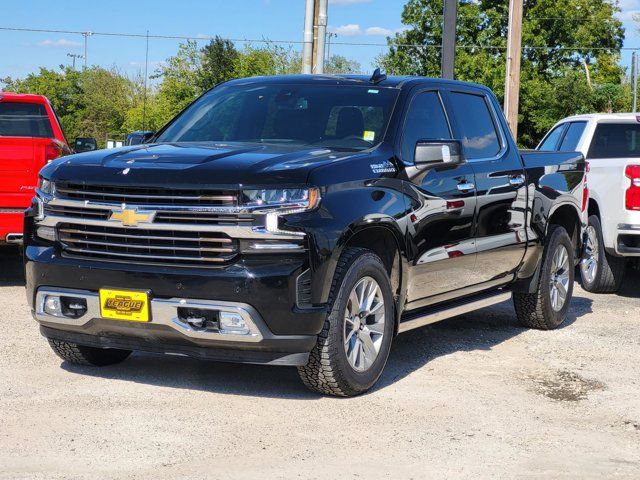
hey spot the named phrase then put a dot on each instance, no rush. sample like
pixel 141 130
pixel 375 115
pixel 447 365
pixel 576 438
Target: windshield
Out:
pixel 340 117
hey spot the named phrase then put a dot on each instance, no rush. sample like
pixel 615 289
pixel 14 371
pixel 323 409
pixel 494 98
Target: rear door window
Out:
pixel 24 120
pixel 550 143
pixel 572 137
pixel 615 140
pixel 476 125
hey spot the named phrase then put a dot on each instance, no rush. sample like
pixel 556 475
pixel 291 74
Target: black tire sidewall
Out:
pixel 365 264
pixel 558 237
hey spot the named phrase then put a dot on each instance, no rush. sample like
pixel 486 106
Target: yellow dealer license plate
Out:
pixel 126 305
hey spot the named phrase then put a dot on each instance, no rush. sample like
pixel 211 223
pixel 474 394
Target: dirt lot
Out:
pixel 475 396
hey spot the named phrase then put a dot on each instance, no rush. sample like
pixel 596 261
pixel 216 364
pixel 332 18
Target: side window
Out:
pixel 551 141
pixel 572 137
pixel 477 128
pixel 425 120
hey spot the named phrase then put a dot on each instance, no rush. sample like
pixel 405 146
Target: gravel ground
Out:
pixel 474 396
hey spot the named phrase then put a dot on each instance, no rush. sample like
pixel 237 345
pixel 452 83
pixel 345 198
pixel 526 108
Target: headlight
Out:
pixel 45 186
pixel 290 200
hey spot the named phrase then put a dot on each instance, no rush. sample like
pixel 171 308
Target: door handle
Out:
pixel 466 186
pixel 516 180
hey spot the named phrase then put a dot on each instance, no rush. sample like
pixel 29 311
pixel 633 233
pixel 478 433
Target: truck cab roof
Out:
pixel 391 81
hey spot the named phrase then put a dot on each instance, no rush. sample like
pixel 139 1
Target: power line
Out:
pixel 296 42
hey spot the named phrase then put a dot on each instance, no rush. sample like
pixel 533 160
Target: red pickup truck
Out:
pixel 30 137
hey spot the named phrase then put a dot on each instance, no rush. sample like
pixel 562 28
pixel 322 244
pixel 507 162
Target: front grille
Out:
pixel 76 212
pixel 147 195
pixel 162 216
pixel 146 246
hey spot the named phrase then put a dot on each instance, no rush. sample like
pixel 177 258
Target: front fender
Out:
pixel 347 210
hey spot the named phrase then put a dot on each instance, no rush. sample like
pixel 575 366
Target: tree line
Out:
pixel 105 103
pixel 570 65
pixel 569 61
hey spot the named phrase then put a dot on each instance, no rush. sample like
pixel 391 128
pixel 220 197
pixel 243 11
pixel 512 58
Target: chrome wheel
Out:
pixel 589 264
pixel 559 282
pixel 364 321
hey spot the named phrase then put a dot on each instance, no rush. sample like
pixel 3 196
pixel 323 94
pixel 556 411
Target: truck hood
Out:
pixel 183 165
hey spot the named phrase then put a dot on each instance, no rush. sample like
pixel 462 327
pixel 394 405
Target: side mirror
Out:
pixel 85 144
pixel 137 138
pixel 438 152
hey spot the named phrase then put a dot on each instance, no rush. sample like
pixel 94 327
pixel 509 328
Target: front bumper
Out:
pixel 166 332
pixel 263 288
pixel 11 225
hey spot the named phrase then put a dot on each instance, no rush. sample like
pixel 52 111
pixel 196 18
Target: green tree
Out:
pixel 218 64
pixel 557 38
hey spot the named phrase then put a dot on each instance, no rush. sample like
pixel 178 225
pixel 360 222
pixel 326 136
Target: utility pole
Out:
pixel 514 52
pixel 74 56
pixel 307 49
pixel 321 35
pixel 86 35
pixel 449 39
pixel 315 36
pixel 634 80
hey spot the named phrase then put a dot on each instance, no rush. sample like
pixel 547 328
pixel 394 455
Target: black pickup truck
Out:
pixel 305 221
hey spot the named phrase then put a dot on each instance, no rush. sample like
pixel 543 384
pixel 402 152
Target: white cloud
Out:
pixel 347 2
pixel 379 31
pixel 60 43
pixel 628 8
pixel 349 30
pixel 353 29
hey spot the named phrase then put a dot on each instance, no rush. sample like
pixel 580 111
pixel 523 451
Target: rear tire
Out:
pixel 600 272
pixel 543 309
pixel 352 349
pixel 91 356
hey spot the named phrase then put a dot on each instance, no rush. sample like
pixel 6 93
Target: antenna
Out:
pixel 378 76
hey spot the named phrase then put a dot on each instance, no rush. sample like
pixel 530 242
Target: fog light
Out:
pixel 233 323
pixel 53 306
pixel 46 233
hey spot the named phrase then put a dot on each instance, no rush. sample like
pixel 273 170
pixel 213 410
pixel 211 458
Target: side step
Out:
pixel 442 312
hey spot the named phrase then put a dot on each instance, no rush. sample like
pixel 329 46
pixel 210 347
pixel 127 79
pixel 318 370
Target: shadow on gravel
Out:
pixel 479 330
pixel 11 269
pixel 631 284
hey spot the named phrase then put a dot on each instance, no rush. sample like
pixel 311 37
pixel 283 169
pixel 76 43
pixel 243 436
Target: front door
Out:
pixel 441 244
pixel 500 183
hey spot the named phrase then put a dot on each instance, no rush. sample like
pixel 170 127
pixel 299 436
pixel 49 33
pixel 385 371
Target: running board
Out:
pixel 451 310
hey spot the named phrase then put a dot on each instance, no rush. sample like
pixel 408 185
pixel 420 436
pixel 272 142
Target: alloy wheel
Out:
pixel 364 323
pixel 589 264
pixel 559 282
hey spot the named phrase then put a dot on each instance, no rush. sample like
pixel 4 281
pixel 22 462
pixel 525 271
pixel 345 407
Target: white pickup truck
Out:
pixel 611 145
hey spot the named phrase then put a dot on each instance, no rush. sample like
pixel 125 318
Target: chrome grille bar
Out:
pixel 147 258
pixel 145 237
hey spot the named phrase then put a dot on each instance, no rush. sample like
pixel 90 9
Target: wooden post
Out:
pixel 449 39
pixel 514 53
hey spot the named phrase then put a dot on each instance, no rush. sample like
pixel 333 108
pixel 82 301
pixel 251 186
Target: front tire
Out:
pixel 354 344
pixel 90 356
pixel 600 272
pixel 547 308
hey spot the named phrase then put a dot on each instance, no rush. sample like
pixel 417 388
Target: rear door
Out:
pixel 442 208
pixel 500 182
pixel 25 130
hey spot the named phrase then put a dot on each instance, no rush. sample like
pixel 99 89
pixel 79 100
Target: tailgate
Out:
pixel 18 171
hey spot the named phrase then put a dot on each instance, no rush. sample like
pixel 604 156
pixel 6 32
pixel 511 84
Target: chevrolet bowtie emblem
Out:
pixel 130 217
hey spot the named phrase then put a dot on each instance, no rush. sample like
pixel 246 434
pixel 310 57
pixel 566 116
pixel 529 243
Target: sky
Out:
pixel 354 21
